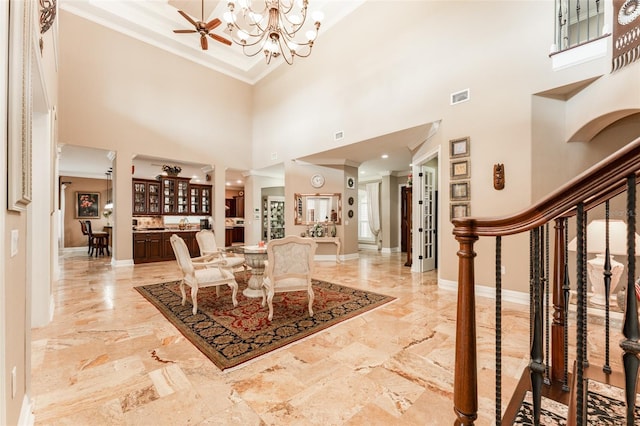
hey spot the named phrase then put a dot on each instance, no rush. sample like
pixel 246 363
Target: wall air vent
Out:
pixel 461 96
pixel 338 135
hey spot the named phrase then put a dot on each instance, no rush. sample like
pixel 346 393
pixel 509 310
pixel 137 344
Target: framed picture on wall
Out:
pixel 87 205
pixel 460 210
pixel 459 147
pixel 460 191
pixel 460 169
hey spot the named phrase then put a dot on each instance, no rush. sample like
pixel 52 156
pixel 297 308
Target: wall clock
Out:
pixel 317 180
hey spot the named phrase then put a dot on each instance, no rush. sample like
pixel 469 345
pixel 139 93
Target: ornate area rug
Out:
pixel 605 407
pixel 230 336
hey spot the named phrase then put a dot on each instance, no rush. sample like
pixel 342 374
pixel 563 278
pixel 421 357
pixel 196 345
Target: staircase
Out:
pixel 548 393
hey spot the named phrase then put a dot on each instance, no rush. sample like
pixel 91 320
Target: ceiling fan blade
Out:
pixel 204 43
pixel 213 24
pixel 184 31
pixel 188 18
pixel 221 39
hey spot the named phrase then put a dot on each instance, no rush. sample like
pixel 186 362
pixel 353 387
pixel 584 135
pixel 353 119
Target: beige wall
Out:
pixel 126 96
pixel 72 233
pixel 20 286
pixel 405 79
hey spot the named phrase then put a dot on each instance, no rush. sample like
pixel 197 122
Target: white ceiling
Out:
pixel 153 22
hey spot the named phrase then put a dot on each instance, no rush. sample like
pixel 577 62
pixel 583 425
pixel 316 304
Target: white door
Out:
pixel 427 223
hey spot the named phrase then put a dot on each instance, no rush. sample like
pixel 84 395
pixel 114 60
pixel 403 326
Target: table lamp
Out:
pixel 596 244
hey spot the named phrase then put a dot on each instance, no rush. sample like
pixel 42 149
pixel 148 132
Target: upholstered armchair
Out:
pixel 289 267
pixel 208 247
pixel 201 272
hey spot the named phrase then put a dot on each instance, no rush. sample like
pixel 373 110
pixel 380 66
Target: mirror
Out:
pixel 314 208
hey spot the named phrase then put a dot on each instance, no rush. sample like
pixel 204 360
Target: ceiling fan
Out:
pixel 203 29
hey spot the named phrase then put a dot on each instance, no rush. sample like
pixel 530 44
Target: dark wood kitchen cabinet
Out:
pixel 175 195
pixel 156 246
pixel 146 197
pixel 199 199
pixel 147 247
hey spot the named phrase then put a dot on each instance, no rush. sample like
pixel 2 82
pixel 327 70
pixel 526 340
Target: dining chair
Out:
pixel 83 227
pixel 208 247
pixel 289 267
pixel 98 240
pixel 201 272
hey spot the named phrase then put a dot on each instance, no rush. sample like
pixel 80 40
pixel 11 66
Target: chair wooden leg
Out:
pixel 234 292
pixel 194 298
pixel 184 293
pixel 311 296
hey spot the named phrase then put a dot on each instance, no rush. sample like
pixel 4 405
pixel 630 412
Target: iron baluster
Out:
pixel 566 286
pixel 547 287
pixel 581 288
pixel 536 366
pixel 630 327
pixel 607 288
pixel 498 331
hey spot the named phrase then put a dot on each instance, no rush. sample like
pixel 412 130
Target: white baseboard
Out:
pixel 389 250
pixel 73 249
pixel 365 246
pixel 350 256
pixel 26 413
pixel 489 292
pixel 118 263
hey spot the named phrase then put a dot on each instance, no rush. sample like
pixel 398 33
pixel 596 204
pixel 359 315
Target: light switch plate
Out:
pixel 14 242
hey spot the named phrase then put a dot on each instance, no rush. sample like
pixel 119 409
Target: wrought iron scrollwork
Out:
pixel 48 10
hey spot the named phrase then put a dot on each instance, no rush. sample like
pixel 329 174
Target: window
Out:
pixel 364 232
pixel 577 22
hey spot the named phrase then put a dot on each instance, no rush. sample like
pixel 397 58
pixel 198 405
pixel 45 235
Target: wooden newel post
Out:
pixel 557 327
pixel 465 385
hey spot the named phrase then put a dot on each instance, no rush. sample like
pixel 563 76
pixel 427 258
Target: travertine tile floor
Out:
pixel 109 356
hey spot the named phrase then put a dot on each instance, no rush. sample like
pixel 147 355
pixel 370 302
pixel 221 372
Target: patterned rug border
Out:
pixel 219 358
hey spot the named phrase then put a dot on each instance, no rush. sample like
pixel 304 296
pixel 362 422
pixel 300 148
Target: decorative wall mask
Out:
pixel 498 176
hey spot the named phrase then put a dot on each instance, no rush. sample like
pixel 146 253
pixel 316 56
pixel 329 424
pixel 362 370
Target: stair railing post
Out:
pixel 465 386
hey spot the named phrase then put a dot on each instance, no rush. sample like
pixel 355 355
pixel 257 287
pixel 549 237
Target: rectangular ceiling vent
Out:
pixel 461 96
pixel 338 135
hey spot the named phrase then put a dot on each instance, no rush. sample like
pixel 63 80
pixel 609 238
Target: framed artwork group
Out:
pixel 460 185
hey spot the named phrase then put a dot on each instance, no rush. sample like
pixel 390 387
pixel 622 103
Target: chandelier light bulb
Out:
pixel 278 29
pixel 317 16
pixel 311 35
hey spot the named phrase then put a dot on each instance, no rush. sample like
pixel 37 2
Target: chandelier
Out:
pixel 275 30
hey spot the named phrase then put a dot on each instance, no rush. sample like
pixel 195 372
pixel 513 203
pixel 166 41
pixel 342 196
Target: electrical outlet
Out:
pixel 503 269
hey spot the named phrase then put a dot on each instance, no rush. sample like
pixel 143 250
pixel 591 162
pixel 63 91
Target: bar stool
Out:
pixel 99 241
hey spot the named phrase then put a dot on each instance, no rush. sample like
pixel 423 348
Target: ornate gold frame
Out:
pixel 19 105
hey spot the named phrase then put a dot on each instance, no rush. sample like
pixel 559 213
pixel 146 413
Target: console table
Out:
pixel 332 240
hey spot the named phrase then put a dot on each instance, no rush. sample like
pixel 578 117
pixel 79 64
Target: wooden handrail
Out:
pixel 603 181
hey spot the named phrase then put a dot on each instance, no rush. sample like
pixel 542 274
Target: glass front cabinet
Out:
pixel 146 197
pixel 170 196
pixel 272 217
